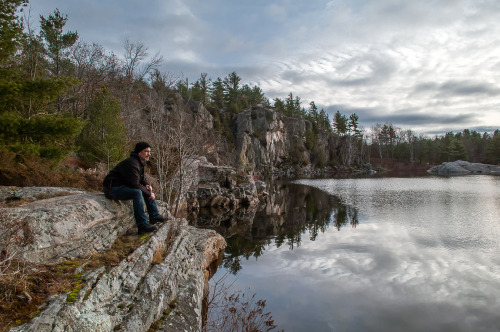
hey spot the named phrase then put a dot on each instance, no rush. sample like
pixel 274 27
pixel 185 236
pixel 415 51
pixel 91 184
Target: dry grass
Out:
pixel 24 287
pixel 158 255
pixel 26 170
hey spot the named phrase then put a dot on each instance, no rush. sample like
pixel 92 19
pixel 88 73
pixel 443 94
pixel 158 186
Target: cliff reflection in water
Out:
pixel 424 257
pixel 290 212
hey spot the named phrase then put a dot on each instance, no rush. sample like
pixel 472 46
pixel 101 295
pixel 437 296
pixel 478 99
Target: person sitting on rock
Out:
pixel 127 182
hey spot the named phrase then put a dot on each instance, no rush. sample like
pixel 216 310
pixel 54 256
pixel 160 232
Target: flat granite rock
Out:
pixel 461 167
pixel 161 285
pixel 67 227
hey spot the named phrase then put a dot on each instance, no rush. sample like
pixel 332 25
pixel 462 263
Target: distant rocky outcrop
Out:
pixel 161 284
pixel 266 140
pixel 461 167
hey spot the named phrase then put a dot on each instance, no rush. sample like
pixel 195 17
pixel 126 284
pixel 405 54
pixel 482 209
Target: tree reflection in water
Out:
pixel 290 212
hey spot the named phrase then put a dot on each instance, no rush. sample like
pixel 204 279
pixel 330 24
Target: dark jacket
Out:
pixel 130 173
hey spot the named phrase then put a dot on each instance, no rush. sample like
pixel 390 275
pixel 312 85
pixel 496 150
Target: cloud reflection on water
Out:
pixel 389 276
pixel 420 259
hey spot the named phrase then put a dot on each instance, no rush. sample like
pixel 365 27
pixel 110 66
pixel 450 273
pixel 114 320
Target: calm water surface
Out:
pixel 372 254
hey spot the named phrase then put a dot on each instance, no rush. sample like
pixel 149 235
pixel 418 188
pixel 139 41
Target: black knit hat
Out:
pixel 141 146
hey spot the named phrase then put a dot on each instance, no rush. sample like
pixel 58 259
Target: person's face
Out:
pixel 145 154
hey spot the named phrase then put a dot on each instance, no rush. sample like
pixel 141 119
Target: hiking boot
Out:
pixel 146 229
pixel 158 219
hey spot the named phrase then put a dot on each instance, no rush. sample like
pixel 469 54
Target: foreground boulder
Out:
pixel 225 187
pixel 159 286
pixel 460 167
pixel 219 187
pixel 75 225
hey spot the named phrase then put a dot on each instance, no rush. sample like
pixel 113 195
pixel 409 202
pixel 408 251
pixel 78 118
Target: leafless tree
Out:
pixel 94 68
pixel 160 124
pixel 136 62
pixel 186 146
pixel 174 138
pixel 32 47
pixel 376 135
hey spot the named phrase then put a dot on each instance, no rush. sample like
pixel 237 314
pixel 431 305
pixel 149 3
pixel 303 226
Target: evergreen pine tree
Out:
pixel 103 137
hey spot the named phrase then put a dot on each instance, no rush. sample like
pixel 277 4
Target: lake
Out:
pixel 371 254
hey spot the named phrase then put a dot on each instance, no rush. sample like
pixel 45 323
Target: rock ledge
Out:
pixel 161 284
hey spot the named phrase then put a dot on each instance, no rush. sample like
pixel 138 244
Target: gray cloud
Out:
pixel 458 88
pixel 410 118
pixel 427 64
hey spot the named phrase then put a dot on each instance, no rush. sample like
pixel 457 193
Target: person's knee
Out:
pixel 137 193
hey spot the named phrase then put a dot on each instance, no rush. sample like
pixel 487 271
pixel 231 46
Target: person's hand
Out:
pixel 152 197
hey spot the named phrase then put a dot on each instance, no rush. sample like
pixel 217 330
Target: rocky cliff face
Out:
pixel 160 285
pixel 223 187
pixel 265 139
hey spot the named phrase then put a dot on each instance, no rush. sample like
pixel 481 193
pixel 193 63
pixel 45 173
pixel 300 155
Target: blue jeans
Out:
pixel 124 193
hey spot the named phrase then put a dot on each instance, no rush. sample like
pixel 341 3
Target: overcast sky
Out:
pixel 429 65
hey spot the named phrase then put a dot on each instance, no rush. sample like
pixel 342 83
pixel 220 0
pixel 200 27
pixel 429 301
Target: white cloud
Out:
pixel 369 55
